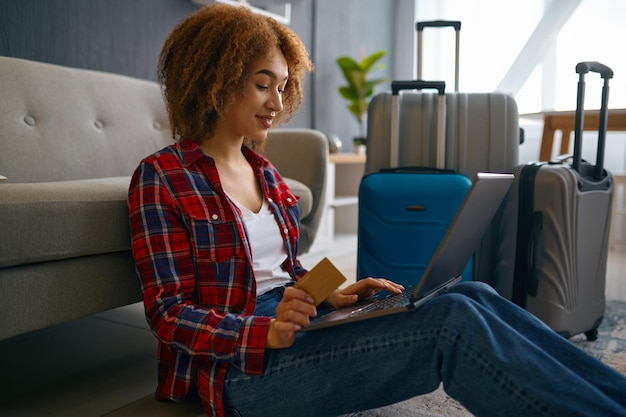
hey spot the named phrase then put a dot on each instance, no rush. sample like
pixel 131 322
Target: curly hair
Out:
pixel 205 59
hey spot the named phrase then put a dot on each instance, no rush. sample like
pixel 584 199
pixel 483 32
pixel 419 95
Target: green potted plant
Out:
pixel 360 88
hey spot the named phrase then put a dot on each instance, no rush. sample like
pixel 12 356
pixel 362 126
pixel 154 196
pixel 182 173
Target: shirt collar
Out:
pixel 190 152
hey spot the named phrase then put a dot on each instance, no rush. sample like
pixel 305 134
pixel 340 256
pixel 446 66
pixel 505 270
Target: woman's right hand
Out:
pixel 292 314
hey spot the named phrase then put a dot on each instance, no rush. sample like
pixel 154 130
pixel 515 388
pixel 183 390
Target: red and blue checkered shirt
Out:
pixel 195 266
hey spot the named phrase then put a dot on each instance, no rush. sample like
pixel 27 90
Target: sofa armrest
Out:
pixel 302 154
pixel 305 197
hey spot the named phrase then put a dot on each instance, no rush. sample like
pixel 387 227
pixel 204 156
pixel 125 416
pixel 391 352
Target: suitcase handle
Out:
pixel 606 73
pixel 397 86
pixel 594 66
pixel 419 26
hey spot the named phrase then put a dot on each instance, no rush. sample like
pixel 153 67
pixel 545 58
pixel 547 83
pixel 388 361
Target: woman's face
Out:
pixel 252 113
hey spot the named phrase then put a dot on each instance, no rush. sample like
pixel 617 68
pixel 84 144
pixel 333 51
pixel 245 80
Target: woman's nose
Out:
pixel 275 103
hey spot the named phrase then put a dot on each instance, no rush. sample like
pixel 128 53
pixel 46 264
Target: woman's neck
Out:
pixel 227 152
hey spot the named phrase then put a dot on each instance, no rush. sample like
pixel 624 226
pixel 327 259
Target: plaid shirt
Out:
pixel 195 265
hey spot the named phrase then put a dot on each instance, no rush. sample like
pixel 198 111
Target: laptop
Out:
pixel 448 262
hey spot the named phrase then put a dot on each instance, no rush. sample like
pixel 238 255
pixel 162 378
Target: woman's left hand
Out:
pixel 361 290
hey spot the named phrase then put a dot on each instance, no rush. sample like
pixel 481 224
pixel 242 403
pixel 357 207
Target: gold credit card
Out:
pixel 321 281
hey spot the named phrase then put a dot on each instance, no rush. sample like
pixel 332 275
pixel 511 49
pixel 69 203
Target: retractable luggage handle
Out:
pixel 456 25
pixel 396 87
pixel 606 73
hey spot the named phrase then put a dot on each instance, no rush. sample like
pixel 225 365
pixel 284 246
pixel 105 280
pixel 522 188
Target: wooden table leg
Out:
pixel 565 139
pixel 547 139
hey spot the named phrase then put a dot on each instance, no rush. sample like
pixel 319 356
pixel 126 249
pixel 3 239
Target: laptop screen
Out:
pixel 465 231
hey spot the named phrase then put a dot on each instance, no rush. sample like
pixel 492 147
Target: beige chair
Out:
pixel 302 155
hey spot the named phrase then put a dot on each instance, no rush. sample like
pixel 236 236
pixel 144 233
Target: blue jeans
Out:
pixel 493 357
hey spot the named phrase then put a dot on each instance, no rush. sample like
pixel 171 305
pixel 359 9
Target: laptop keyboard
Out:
pixel 383 303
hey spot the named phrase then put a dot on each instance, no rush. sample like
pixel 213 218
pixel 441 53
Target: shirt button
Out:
pixel 289 199
pixel 270 200
pixel 286 231
pixel 215 217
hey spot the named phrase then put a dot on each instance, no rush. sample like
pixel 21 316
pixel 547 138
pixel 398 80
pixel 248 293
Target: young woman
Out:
pixel 215 238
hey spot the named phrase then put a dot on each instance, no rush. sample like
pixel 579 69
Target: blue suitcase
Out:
pixel 405 212
pixel 402 218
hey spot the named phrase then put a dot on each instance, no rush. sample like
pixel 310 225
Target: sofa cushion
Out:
pixel 60 124
pixel 67 219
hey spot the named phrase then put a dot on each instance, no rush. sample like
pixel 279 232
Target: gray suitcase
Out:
pixel 555 232
pixel 482 129
pixel 482 135
pixel 482 132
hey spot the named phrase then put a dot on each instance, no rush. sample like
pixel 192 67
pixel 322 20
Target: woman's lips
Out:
pixel 266 121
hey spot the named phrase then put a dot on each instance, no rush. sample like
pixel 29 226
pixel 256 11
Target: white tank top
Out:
pixel 268 249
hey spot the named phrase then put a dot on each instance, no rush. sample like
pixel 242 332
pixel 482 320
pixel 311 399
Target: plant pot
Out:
pixel 360 145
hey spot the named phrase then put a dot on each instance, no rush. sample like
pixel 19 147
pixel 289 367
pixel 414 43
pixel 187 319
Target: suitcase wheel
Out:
pixel 592 335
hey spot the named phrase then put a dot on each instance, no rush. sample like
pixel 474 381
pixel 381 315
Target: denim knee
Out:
pixel 472 288
pixel 456 306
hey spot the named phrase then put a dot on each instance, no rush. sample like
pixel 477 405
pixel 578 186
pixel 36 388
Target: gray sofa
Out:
pixel 69 141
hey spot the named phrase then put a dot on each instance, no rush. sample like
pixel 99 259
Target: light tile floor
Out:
pixel 104 365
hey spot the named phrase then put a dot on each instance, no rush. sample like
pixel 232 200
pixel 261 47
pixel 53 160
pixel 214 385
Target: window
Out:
pixel 494 32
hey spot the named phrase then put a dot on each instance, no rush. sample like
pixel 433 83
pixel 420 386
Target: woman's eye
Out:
pixel 266 88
